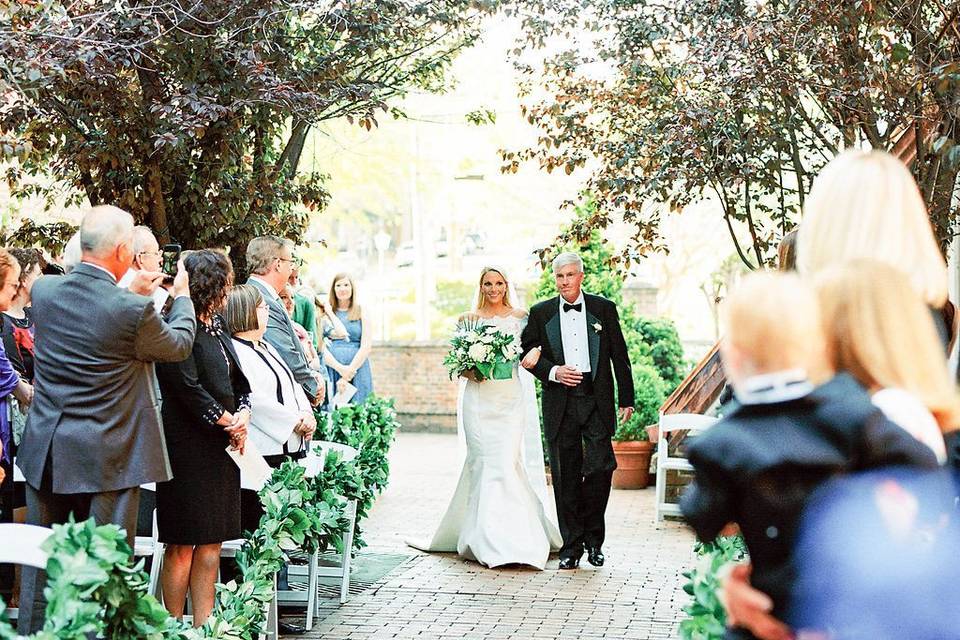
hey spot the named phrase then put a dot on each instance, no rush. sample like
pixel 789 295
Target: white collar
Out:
pixel 778 386
pixel 96 266
pixel 266 285
pixel 579 300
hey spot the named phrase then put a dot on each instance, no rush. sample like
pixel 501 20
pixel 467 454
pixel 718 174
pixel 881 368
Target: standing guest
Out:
pixel 288 297
pixel 72 253
pixel 205 410
pixel 759 466
pixel 303 311
pixel 866 204
pixel 896 356
pixel 348 359
pixel 146 257
pixel 18 329
pixel 93 434
pixel 11 384
pixel 282 420
pixel 271 262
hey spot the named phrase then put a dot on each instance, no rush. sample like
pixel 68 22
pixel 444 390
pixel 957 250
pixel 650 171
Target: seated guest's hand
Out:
pixel 146 282
pixel 321 392
pixel 531 359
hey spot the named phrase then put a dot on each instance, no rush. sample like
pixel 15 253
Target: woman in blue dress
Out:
pixel 346 353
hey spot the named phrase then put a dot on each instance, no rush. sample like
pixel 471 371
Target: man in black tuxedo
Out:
pixel 579 336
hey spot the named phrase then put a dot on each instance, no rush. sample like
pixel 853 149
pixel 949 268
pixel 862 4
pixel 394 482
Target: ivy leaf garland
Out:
pixel 93 587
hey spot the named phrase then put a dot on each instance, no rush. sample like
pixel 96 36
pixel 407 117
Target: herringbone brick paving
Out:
pixel 637 595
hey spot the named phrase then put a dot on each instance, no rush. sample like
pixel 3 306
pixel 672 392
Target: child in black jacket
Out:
pixel 759 465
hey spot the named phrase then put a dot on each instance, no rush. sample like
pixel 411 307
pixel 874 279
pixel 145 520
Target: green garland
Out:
pixel 92 586
pixel 708 618
pixel 370 428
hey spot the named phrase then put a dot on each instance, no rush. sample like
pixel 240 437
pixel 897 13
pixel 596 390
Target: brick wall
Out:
pixel 413 374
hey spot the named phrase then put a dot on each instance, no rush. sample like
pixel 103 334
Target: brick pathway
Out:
pixel 637 595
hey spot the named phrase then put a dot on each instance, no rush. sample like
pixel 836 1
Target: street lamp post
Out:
pixel 382 242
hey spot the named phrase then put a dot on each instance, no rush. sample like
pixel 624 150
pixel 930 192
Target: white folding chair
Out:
pixel 692 422
pixel 314 571
pixel 22 545
pixel 150 546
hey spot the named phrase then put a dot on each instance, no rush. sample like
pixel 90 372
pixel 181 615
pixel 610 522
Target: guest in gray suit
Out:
pixel 271 260
pixel 93 434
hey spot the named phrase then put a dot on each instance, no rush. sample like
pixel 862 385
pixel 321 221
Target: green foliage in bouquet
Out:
pixel 708 618
pixel 369 428
pixel 483 348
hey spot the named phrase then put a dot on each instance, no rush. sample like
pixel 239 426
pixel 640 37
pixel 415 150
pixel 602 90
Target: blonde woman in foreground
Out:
pixel 879 330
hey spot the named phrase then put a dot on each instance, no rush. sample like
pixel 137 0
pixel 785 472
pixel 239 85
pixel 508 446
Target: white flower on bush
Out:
pixel 479 352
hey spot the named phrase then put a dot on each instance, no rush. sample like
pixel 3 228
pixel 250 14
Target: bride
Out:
pixel 500 512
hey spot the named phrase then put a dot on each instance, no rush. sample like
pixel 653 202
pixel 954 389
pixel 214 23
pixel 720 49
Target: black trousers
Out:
pixel 45 508
pixel 582 464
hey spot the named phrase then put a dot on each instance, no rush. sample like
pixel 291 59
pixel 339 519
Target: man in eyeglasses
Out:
pixel 271 262
pixel 146 263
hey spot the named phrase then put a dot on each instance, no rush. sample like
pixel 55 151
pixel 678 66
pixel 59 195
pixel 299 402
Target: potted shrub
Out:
pixel 631 443
pixel 633 450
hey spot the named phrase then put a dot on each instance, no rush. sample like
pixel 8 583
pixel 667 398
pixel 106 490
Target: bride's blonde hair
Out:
pixel 481 299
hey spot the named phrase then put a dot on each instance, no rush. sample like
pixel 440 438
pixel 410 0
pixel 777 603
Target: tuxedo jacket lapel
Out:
pixel 554 334
pixel 593 339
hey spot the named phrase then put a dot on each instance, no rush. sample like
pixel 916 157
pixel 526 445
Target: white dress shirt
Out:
pixel 573 334
pixel 276 400
pixel 160 295
pixel 266 285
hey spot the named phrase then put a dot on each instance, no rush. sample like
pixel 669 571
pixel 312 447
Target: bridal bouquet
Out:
pixel 484 348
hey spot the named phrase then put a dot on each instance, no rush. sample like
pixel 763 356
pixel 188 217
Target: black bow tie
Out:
pixel 575 307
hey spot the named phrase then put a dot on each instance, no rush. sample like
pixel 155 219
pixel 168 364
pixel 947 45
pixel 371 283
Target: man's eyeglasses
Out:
pixel 15 285
pixel 155 254
pixel 295 260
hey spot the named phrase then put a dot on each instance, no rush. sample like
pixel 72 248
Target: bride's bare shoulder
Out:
pixel 520 314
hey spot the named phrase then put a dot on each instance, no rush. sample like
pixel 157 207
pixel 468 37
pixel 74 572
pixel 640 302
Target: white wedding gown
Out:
pixel 501 512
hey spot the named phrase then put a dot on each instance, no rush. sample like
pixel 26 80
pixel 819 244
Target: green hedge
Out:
pixel 369 427
pixel 708 618
pixel 93 588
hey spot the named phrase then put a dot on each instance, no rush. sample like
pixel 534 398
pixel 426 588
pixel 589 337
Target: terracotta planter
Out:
pixel 633 464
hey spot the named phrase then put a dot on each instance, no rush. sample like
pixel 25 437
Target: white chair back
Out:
pixel 669 423
pixel 21 544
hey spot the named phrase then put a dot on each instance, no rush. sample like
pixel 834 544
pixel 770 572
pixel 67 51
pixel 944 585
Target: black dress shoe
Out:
pixel 290 629
pixel 569 563
pixel 595 556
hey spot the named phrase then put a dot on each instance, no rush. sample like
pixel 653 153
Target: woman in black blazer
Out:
pixel 205 410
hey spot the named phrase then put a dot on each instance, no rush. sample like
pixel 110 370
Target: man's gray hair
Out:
pixel 71 253
pixel 103 229
pixel 565 258
pixel 142 237
pixel 263 250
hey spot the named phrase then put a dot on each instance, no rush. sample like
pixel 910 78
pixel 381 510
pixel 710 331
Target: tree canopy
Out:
pixel 739 100
pixel 193 115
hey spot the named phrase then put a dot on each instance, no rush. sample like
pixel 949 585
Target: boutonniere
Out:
pixel 597 327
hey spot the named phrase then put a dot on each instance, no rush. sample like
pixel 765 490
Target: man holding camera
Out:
pixel 93 433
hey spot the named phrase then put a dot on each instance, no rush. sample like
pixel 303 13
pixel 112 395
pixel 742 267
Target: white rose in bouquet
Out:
pixel 479 352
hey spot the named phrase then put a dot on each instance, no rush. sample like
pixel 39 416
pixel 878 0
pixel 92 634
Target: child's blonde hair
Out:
pixel 880 331
pixel 773 319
